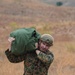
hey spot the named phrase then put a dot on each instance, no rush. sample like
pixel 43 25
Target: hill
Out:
pixel 46 18
pixel 34 11
pixel 67 3
pixel 30 12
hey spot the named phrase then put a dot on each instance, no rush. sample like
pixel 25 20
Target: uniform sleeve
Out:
pixel 13 58
pixel 47 58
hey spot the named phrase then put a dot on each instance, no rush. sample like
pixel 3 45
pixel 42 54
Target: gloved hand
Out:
pixel 10 39
pixel 37 51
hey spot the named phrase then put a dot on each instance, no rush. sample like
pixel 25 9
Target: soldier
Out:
pixel 35 62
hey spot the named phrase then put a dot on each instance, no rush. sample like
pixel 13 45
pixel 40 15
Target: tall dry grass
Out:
pixel 63 49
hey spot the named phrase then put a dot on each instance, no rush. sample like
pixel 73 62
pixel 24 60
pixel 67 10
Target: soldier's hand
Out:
pixel 10 39
pixel 37 51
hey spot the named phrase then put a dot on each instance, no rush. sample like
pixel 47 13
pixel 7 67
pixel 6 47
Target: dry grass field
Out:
pixel 58 21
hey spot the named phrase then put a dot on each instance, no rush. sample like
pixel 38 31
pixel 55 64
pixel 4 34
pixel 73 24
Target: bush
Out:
pixel 59 3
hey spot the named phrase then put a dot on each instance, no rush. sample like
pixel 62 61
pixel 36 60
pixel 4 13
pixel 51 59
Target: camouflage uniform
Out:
pixel 33 64
pixel 37 64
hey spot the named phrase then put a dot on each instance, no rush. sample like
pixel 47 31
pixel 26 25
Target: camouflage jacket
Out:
pixel 33 64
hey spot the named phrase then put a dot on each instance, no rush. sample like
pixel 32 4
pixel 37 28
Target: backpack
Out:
pixel 25 39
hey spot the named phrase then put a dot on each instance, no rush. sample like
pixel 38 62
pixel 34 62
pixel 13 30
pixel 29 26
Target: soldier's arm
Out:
pixel 13 58
pixel 47 58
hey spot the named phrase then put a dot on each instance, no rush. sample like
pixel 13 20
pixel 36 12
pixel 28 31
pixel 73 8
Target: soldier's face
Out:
pixel 43 46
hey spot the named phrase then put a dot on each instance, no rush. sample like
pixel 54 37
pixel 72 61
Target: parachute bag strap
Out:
pixel 34 33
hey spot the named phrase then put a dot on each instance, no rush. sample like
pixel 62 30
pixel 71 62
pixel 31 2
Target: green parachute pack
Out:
pixel 25 39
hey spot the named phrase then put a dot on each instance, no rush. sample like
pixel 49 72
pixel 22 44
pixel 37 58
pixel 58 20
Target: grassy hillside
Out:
pixel 34 12
pixel 67 3
pixel 58 21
